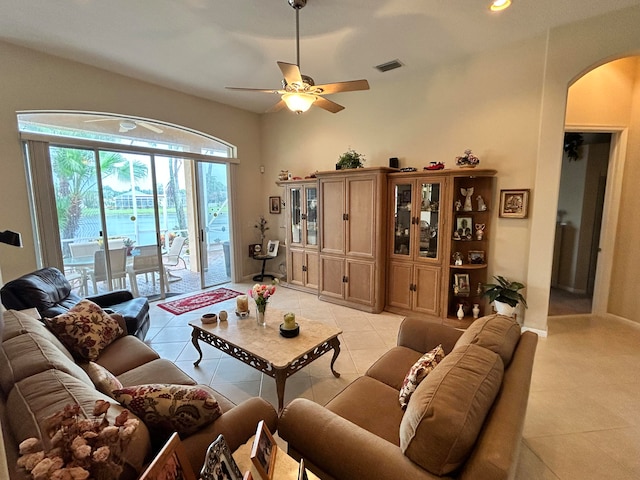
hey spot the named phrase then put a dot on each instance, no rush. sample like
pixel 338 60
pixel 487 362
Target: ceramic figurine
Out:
pixel 479 230
pixel 467 193
pixel 482 207
pixel 458 205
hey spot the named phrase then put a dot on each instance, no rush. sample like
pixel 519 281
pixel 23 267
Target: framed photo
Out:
pixel 247 475
pixel 463 228
pixel 514 203
pixel 274 204
pixel 263 452
pixel 462 284
pixel 272 248
pixel 171 463
pixel 219 463
pixel 476 257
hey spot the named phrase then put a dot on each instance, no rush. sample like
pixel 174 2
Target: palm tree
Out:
pixel 75 179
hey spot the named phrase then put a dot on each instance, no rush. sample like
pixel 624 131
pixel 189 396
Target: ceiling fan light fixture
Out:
pixel 499 5
pixel 298 102
pixel 127 125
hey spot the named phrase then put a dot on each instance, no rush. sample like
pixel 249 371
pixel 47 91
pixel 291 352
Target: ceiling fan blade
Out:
pixel 291 72
pixel 101 120
pixel 263 90
pixel 148 126
pixel 328 105
pixel 350 86
pixel 277 107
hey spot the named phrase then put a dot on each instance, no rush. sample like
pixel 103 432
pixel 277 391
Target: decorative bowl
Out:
pixel 209 318
pixel 289 333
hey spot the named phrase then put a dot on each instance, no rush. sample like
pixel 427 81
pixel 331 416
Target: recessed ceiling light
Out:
pixel 499 5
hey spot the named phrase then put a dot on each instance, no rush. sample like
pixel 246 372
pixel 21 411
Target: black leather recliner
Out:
pixel 50 293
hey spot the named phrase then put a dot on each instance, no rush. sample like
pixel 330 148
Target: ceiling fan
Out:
pixel 299 91
pixel 127 125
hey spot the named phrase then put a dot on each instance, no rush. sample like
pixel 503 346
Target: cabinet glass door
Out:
pixel 403 194
pixel 429 219
pixel 311 216
pixel 295 201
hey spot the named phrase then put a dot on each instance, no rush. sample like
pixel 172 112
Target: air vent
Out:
pixel 392 65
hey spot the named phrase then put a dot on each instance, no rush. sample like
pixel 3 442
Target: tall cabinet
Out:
pixel 436 257
pixel 353 237
pixel 301 207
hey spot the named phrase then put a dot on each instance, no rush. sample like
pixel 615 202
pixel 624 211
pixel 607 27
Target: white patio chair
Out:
pixel 118 258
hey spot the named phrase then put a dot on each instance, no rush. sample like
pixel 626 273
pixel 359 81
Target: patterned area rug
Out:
pixel 194 302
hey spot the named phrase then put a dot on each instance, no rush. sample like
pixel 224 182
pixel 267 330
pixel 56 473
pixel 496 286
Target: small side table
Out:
pixel 264 258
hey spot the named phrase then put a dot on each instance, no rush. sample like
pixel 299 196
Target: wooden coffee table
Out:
pixel 263 348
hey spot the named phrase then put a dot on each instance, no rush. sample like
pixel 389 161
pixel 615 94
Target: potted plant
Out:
pixel 350 159
pixel 505 295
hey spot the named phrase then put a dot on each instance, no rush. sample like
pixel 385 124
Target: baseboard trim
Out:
pixel 541 333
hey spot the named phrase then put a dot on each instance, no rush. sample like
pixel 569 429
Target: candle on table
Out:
pixel 242 303
pixel 289 321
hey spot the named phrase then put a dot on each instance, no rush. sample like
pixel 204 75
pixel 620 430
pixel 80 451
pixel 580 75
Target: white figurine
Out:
pixel 481 205
pixel 467 193
pixel 479 230
pixel 458 205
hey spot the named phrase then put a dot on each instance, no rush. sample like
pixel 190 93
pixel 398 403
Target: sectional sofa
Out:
pixel 463 421
pixel 39 376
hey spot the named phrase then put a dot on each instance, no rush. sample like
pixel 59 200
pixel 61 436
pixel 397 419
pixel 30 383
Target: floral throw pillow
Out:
pixel 85 329
pixel 167 408
pixel 418 372
pixel 105 381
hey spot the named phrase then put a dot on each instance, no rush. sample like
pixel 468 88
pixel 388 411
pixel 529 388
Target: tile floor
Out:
pixel 583 420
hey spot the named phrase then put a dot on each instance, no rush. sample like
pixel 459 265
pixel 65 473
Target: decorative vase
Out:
pixel 504 308
pixel 260 314
pixel 460 313
pixel 476 310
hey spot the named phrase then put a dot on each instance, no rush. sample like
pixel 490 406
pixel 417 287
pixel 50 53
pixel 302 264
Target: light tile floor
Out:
pixel 583 420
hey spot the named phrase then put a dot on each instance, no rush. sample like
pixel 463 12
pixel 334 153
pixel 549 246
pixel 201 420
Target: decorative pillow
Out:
pixel 85 329
pixel 168 408
pixel 105 381
pixel 418 372
pixel 447 410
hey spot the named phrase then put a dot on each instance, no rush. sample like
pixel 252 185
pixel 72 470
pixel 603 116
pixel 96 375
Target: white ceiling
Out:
pixel 201 46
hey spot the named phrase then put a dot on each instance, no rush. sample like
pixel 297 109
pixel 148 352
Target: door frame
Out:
pixel 610 211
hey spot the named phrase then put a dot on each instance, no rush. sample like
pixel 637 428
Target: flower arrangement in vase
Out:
pixel 262 227
pixel 80 448
pixel 261 294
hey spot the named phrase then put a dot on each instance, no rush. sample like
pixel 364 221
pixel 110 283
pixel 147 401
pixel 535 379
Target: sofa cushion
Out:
pixel 86 329
pixel 447 410
pixel 165 408
pixel 105 381
pixel 36 398
pixel 418 372
pixel 372 405
pixel 498 333
pixel 393 366
pixel 156 371
pixel 28 354
pixel 137 353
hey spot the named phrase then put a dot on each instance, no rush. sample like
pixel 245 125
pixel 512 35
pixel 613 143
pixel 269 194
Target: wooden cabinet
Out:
pixel 429 225
pixel 416 253
pixel 471 207
pixel 301 207
pixel 352 237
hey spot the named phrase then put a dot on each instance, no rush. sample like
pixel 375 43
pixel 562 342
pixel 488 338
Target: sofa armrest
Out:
pixel 422 335
pixel 237 425
pixel 340 448
pixel 105 300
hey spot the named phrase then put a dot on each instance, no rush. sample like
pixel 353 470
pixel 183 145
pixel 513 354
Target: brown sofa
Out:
pixel 39 377
pixel 463 421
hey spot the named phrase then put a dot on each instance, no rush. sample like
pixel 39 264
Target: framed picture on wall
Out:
pixel 514 203
pixel 274 204
pixel 171 463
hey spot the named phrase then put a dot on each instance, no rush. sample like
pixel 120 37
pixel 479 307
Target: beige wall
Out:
pixel 507 105
pixel 30 80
